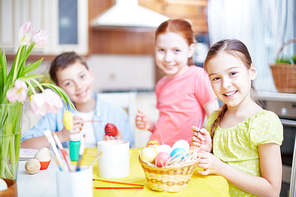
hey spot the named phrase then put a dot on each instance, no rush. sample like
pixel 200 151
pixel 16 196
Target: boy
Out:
pixel 71 73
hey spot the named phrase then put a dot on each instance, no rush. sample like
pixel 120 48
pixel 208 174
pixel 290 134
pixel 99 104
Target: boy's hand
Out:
pixel 64 134
pixel 77 125
pixel 143 121
pixel 117 137
pixel 201 139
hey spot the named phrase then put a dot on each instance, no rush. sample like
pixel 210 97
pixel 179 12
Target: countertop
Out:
pixel 275 96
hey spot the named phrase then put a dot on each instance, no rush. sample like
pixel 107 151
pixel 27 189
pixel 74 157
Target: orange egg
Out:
pixel 152 143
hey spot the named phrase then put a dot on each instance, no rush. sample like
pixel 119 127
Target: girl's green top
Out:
pixel 238 145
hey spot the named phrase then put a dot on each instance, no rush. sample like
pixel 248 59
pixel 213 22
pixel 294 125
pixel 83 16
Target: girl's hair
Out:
pixel 63 61
pixel 182 27
pixel 235 48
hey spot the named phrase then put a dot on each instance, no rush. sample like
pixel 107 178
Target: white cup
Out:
pixel 75 184
pixel 113 159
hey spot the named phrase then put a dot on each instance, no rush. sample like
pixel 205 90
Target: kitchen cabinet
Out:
pixel 137 40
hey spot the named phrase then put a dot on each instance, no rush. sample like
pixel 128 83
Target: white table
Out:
pixel 42 184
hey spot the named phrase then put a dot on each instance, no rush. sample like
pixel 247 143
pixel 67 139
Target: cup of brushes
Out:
pixel 71 181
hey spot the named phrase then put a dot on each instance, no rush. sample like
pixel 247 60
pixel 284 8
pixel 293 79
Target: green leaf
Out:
pixel 13 71
pixel 285 60
pixel 24 56
pixel 31 67
pixel 31 87
pixel 31 76
pixel 3 70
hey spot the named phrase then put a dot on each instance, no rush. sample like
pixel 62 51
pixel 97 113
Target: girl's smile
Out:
pixel 230 94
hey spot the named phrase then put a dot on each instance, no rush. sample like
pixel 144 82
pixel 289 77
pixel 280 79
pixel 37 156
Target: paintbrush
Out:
pixel 199 124
pixel 58 158
pixel 62 150
pixel 92 121
pixel 80 153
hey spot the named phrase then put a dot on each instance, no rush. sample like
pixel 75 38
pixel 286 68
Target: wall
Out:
pixel 122 72
pixel 135 41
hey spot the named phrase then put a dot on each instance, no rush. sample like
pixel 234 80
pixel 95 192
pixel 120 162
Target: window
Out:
pixel 68 22
pixel 65 20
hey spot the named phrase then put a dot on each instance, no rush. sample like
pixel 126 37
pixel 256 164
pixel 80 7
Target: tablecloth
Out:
pixel 199 185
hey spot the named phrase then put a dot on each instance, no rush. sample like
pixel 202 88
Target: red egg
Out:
pixel 110 129
pixel 161 159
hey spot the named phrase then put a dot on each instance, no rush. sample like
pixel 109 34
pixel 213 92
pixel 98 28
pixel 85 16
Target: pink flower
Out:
pixel 40 38
pixel 46 102
pixel 25 33
pixel 18 93
pixel 53 101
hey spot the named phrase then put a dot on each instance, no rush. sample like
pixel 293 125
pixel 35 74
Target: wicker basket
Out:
pixel 284 75
pixel 170 178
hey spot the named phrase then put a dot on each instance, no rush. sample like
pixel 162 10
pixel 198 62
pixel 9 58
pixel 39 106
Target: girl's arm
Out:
pixel 269 184
pixel 211 106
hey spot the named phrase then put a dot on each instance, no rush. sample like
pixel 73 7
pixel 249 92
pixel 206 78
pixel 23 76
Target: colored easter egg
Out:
pixel 148 154
pixel 152 143
pixel 163 148
pixel 43 156
pixel 181 144
pixel 161 159
pixel 177 152
pixel 110 129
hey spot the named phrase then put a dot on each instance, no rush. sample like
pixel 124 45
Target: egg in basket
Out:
pixel 169 170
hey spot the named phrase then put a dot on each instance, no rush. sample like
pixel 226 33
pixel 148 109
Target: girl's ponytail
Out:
pixel 218 120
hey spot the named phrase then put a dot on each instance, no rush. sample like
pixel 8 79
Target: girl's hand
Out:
pixel 201 139
pixel 209 162
pixel 117 137
pixel 143 121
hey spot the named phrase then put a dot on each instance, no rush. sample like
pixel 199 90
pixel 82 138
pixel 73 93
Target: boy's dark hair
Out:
pixel 63 61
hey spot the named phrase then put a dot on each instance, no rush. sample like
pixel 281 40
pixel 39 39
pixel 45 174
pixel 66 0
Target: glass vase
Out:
pixel 10 138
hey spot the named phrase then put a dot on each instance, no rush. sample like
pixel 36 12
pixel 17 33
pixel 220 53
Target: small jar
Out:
pixel 74 146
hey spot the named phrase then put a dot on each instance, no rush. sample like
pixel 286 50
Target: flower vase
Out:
pixel 10 138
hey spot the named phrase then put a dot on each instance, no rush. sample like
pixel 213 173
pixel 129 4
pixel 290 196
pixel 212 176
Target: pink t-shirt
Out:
pixel 180 101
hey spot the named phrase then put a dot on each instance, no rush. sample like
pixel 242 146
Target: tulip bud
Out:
pixel 40 38
pixel 68 120
pixel 25 33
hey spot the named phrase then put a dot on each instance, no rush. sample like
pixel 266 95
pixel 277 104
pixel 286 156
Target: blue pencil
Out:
pixel 199 125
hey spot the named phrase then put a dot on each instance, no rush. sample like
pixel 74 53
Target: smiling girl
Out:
pixel 246 138
pixel 184 94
